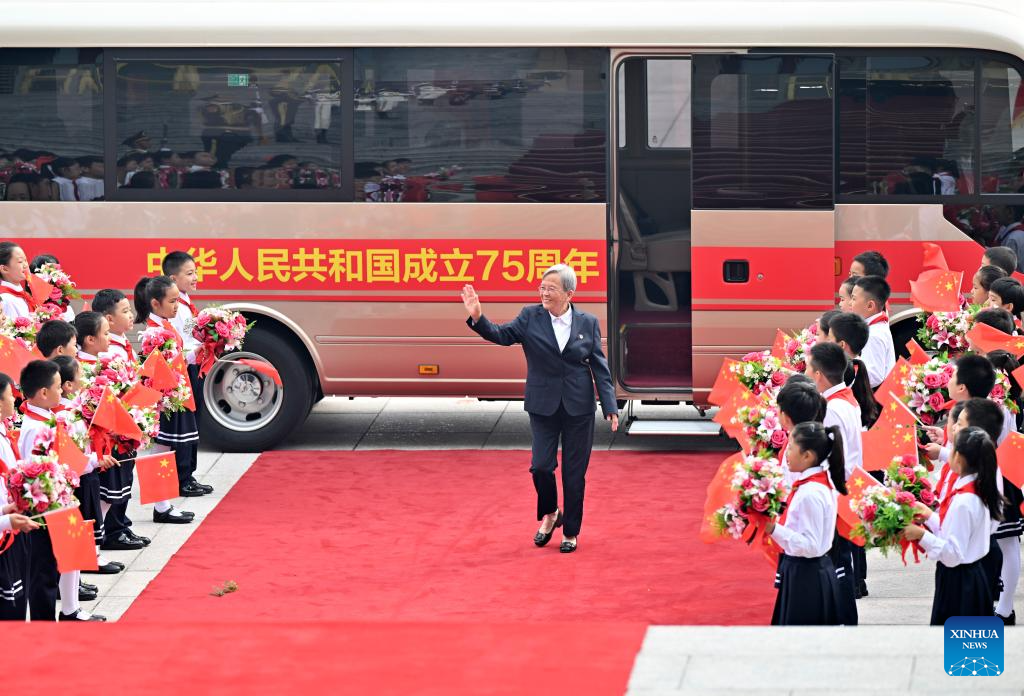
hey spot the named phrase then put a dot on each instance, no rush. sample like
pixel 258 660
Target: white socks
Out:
pixel 162 506
pixel 68 586
pixel 1010 573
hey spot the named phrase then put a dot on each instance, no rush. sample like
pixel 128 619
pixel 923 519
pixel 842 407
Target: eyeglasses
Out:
pixel 549 290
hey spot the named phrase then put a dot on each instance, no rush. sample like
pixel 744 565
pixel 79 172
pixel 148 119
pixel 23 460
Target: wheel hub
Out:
pixel 245 389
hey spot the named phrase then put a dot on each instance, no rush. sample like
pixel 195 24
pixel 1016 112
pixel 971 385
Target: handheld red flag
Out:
pixel 779 346
pixel 893 435
pixel 263 368
pixel 112 417
pixel 847 518
pixel 1011 458
pixel 937 290
pixel 68 452
pixel 895 383
pixel 72 539
pixel 39 288
pixel 917 354
pixel 989 338
pixel 160 373
pixel 14 357
pixel 719 493
pixel 933 257
pixel 741 397
pixel 158 477
pixel 725 383
pixel 178 365
pixel 141 396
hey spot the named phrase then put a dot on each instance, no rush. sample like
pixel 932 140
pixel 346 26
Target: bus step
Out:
pixel 651 426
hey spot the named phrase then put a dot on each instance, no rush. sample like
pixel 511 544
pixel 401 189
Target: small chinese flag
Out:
pixel 72 539
pixel 112 416
pixel 779 347
pixel 1011 458
pixel 917 354
pixel 740 397
pixel 39 288
pixel 178 365
pixel 141 396
pixel 894 434
pixel 847 518
pixel 989 338
pixel 68 452
pixel 937 290
pixel 263 368
pixel 158 477
pixel 1018 375
pixel 157 369
pixel 719 493
pixel 14 358
pixel 894 384
pixel 933 257
pixel 725 383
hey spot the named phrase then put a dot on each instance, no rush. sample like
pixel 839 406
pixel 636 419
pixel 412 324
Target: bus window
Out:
pixel 906 125
pixel 491 125
pixel 1002 129
pixel 51 125
pixel 668 104
pixel 228 124
pixel 762 132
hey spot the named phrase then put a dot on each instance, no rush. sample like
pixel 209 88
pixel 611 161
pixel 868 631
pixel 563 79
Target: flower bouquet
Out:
pixel 1001 393
pixel 947 331
pixel 764 432
pixel 21 329
pixel 906 473
pixel 218 330
pixel 47 312
pixel 41 484
pixel 760 492
pixel 159 339
pixel 926 389
pixel 799 346
pixel 884 512
pixel 64 289
pixel 120 376
pixel 760 372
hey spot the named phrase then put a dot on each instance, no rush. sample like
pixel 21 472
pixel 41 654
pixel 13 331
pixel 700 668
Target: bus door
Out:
pixel 763 213
pixel 649 301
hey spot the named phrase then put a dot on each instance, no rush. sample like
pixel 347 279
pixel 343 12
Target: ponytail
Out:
pixel 979 455
pixel 141 300
pixel 857 377
pixel 827 446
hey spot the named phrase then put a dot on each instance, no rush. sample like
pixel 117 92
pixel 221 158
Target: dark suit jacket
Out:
pixel 554 377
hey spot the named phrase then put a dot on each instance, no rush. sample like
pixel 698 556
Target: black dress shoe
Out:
pixel 862 589
pixel 88 587
pixel 111 568
pixel 541 539
pixel 77 616
pixel 567 547
pixel 132 535
pixel 85 595
pixel 201 486
pixel 1010 620
pixel 123 542
pixel 190 490
pixel 182 517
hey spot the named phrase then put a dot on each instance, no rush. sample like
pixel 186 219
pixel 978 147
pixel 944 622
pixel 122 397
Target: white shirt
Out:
pixel 847 417
pixel 119 347
pixel 1009 424
pixel 30 429
pixel 879 355
pixel 9 458
pixel 79 427
pixel 13 306
pixel 181 321
pixel 562 326
pixel 811 520
pixel 963 537
pixel 89 189
pixel 67 188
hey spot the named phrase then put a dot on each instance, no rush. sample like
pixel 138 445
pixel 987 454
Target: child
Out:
pixel 14 562
pixel 15 300
pixel 983 280
pixel 825 319
pixel 806 578
pixel 93 336
pixel 958 536
pixel 41 385
pixel 851 333
pixel 180 267
pixel 156 303
pixel 996 318
pixel 845 292
pixel 116 482
pixel 1008 294
pixel 57 337
pixel 869 297
pixel 1001 256
pixel 869 263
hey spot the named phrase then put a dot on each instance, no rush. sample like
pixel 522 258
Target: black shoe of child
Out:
pixel 111 568
pixel 85 595
pixel 87 587
pixel 132 535
pixel 183 517
pixel 123 542
pixel 190 490
pixel 77 616
pixel 1010 620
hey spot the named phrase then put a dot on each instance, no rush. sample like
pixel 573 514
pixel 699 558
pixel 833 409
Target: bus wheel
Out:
pixel 246 411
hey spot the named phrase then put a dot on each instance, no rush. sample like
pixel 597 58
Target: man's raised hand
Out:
pixel 472 302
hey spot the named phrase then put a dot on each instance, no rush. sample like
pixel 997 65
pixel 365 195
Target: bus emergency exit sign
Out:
pixel 238 80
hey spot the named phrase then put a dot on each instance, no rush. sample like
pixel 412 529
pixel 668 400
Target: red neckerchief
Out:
pixel 168 326
pixel 32 305
pixel 127 346
pixel 948 500
pixel 820 477
pixel 85 361
pixel 846 394
pixel 946 476
pixel 191 307
pixel 32 414
pixel 58 408
pixel 883 319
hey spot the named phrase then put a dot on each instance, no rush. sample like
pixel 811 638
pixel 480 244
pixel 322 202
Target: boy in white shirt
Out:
pixel 868 299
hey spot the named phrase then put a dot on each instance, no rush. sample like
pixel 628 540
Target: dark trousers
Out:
pixel 14 579
pixel 185 460
pixel 196 382
pixel 43 577
pixel 860 564
pixel 577 436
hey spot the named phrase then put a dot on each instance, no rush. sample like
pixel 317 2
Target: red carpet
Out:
pixel 446 536
pixel 336 658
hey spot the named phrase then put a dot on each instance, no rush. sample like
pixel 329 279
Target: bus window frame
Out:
pixel 343 193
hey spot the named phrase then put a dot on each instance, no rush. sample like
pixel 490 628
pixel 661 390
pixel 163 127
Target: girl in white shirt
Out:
pixel 15 300
pixel 958 535
pixel 806 578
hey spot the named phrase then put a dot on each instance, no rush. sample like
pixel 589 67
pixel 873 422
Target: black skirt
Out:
pixel 1012 525
pixel 841 555
pixel 807 592
pixel 962 590
pixel 177 429
pixel 116 482
pixel 992 564
pixel 88 494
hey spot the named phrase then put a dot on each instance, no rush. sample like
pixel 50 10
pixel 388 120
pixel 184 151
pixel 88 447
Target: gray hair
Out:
pixel 565 274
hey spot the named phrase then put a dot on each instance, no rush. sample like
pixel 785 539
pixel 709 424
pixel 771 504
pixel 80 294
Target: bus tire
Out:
pixel 903 331
pixel 245 410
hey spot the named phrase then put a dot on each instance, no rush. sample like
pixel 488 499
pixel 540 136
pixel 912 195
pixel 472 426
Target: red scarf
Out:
pixel 168 326
pixel 845 394
pixel 948 500
pixel 882 319
pixel 29 300
pixel 86 361
pixel 127 346
pixel 32 414
pixel 946 476
pixel 820 477
pixel 191 307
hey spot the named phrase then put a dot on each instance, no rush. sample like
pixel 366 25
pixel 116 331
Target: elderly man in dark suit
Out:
pixel 563 363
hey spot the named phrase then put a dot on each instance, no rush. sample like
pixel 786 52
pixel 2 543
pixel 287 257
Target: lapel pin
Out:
pixel 581 337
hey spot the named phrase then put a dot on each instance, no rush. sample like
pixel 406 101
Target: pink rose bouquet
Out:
pixel 926 389
pixel 757 372
pixel 120 375
pixel 760 491
pixel 21 329
pixel 947 331
pixel 761 425
pixel 884 512
pixel 41 484
pixel 1001 393
pixel 218 331
pixel 64 289
pixel 799 346
pixel 906 473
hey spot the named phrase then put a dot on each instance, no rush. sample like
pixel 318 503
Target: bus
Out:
pixel 339 171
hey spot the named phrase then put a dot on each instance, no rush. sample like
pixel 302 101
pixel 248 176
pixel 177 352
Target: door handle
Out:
pixel 736 271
